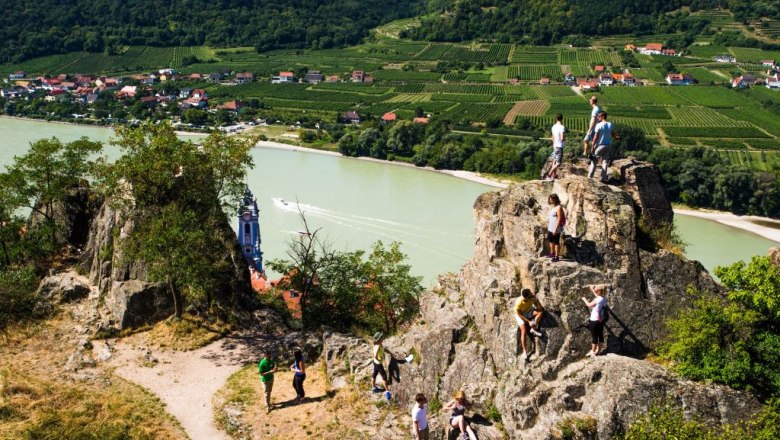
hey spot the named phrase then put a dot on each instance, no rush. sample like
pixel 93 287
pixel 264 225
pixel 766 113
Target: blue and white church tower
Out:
pixel 249 230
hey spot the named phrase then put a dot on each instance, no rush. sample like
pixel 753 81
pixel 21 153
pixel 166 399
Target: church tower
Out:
pixel 249 230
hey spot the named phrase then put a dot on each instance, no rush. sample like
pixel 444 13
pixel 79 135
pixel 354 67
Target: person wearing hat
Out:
pixel 378 358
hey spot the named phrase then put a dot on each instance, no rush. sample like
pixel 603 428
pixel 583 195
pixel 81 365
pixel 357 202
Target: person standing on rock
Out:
pixel 595 110
pixel 558 136
pixel 602 146
pixel 267 368
pixel 528 314
pixel 557 220
pixel 597 317
pixel 420 418
pixel 378 361
pixel 458 405
pixel 299 369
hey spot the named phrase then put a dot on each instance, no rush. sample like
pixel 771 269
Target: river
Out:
pixel 358 202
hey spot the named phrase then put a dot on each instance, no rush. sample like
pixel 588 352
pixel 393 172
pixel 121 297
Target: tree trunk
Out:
pixel 178 307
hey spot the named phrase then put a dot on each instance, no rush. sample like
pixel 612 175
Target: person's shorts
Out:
pixel 557 155
pixel 424 434
pixel 379 369
pixel 554 238
pixel 588 137
pixel 602 152
pixel 528 315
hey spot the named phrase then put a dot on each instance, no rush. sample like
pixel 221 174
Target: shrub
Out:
pixel 18 299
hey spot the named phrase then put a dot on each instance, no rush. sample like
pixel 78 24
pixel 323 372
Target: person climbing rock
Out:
pixel 299 368
pixel 267 368
pixel 597 317
pixel 420 418
pixel 602 146
pixel 557 220
pixel 459 405
pixel 528 314
pixel 378 360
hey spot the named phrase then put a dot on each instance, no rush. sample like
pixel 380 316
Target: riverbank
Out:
pixel 762 226
pixel 460 174
pixel 181 133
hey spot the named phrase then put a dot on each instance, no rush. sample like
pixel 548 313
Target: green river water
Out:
pixel 358 202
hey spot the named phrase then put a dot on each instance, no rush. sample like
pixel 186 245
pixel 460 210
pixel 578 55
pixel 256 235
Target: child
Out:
pixel 420 418
pixel 555 226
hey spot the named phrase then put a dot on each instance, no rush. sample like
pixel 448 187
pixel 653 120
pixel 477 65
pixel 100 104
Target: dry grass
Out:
pixel 188 333
pixel 328 415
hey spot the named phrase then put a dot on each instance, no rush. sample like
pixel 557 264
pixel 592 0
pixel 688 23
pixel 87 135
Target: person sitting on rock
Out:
pixel 378 360
pixel 458 405
pixel 528 313
pixel 555 226
pixel 596 320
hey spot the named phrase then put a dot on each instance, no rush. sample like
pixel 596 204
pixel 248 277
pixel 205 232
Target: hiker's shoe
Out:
pixel 536 333
pixel 465 436
pixel 555 259
pixel 551 255
pixel 549 179
pixel 376 390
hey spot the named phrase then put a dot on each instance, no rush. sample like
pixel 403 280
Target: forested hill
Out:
pixel 551 21
pixel 34 28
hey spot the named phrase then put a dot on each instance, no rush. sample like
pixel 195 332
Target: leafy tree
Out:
pixel 46 174
pixel 18 297
pixel 392 290
pixel 733 340
pixel 179 193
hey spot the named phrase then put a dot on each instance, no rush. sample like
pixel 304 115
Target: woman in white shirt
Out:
pixel 596 320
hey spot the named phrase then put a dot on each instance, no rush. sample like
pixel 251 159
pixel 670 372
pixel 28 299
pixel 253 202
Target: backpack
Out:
pixel 604 314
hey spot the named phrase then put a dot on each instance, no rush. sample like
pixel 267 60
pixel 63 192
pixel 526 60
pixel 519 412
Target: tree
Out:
pixel 178 193
pixel 391 289
pixel 46 174
pixel 733 340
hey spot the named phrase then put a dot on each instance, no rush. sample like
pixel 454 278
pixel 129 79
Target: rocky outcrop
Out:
pixel 71 215
pixel 64 287
pixel 130 299
pixel 466 337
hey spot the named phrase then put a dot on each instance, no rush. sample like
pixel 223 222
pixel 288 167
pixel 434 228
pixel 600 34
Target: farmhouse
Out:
pixel 605 79
pixel 314 77
pixel 232 106
pixel 244 77
pixel 679 79
pixel 389 117
pixel 196 77
pixel 773 82
pixel 17 75
pixel 743 81
pixel 127 92
pixel 669 52
pixel 185 92
pixel 588 84
pixel 351 118
pixel 544 82
pixel 628 79
pixel 13 92
pixel 569 79
pixel 768 63
pixel 214 77
pixel 200 94
pixel 333 79
pixel 630 47
pixel 358 76
pixel 420 120
pixel 598 68
pixel 652 49
pixel 283 77
pixel 725 59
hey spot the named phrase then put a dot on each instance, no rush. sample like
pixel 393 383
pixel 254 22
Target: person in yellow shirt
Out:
pixel 378 360
pixel 528 313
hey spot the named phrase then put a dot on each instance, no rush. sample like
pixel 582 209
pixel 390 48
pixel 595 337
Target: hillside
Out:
pixel 29 29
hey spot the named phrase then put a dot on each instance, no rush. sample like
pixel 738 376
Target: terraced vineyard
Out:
pixel 535 72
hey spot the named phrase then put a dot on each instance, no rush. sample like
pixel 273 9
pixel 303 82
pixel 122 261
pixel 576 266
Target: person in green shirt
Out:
pixel 267 368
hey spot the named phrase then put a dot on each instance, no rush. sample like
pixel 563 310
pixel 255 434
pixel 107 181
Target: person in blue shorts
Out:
pixel 602 146
pixel 595 110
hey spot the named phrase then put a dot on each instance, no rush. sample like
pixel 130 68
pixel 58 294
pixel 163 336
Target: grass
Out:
pixel 239 391
pixel 37 408
pixel 188 333
pixel 572 428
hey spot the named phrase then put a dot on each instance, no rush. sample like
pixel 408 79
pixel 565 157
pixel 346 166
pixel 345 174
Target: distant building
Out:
pixel 389 117
pixel 743 81
pixel 544 82
pixel 283 77
pixel 630 47
pixel 569 80
pixel 314 77
pixel 127 92
pixel 724 59
pixel 196 77
pixel 232 106
pixel 333 79
pixel 652 49
pixel 358 76
pixel 245 77
pixel 249 237
pixel 185 92
pixel 773 82
pixel 214 77
pixel 679 79
pixel 421 120
pixel 628 79
pixel 669 52
pixel 588 84
pixel 598 68
pixel 768 63
pixel 351 118
pixel 21 74
pixel 605 79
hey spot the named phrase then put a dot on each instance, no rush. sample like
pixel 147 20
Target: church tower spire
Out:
pixel 249 230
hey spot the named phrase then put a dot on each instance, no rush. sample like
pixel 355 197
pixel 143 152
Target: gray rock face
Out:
pixel 64 287
pixel 467 338
pixel 71 215
pixel 131 300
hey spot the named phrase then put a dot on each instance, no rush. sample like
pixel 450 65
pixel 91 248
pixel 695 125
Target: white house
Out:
pixel 605 79
pixel 652 49
pixel 283 77
pixel 725 59
pixel 773 82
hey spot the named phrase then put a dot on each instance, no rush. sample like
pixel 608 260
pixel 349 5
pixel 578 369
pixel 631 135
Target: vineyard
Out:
pixel 535 72
pixel 472 112
pixel 534 55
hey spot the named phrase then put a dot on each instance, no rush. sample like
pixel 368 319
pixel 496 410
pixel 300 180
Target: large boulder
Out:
pixel 131 299
pixel 64 287
pixel 466 337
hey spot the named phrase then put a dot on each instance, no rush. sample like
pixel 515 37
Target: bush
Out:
pixel 18 299
pixel 733 340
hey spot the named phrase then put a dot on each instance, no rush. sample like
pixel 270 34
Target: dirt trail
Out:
pixel 186 381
